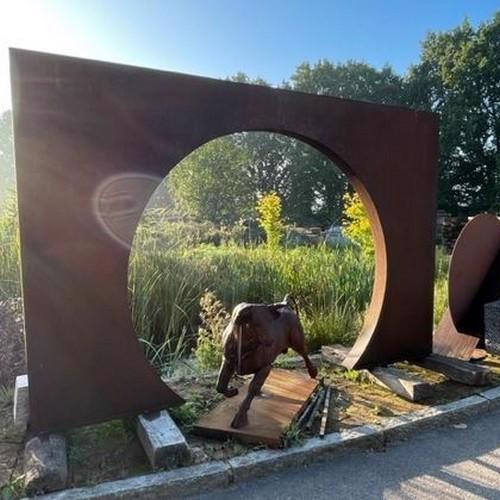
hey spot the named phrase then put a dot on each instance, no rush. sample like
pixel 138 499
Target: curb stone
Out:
pixel 401 427
pixel 259 463
pixel 171 484
pixel 493 397
pixel 217 474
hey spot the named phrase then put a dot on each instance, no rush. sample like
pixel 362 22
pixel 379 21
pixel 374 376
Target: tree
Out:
pixel 212 183
pixel 352 80
pixel 458 77
pixel 318 186
pixel 309 184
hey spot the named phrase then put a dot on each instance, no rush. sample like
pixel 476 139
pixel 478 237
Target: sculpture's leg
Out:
pixel 299 346
pixel 225 373
pixel 241 419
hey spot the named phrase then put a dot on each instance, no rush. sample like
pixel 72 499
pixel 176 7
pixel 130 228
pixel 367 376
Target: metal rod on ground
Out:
pixel 316 407
pixel 307 410
pixel 324 418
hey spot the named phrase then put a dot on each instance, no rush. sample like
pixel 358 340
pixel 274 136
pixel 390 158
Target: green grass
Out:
pixel 14 489
pixel 167 278
pixel 332 287
pixel 441 285
pixel 9 250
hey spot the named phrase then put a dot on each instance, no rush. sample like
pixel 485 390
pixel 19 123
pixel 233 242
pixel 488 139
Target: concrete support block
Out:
pixel 163 442
pixel 457 370
pixel 45 464
pixel 21 402
pixel 406 385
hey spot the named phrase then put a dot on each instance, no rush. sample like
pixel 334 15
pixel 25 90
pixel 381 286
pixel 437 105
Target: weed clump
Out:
pixel 214 318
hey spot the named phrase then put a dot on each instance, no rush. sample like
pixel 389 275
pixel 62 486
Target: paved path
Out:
pixel 447 463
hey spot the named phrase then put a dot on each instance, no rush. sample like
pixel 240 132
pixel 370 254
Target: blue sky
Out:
pixel 266 38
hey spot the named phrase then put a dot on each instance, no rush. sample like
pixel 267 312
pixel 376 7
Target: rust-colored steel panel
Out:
pixel 94 139
pixel 286 395
pixel 473 281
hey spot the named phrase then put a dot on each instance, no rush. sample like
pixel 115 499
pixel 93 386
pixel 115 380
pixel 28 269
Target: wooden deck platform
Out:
pixel 284 395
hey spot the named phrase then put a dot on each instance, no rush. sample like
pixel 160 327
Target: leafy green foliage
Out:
pixel 269 209
pixel 211 183
pixel 355 376
pixel 357 224
pixel 458 77
pixel 14 489
pixel 190 412
pixel 353 80
pixel 293 436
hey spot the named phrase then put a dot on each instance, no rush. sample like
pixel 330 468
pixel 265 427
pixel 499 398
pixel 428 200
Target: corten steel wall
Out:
pixel 92 141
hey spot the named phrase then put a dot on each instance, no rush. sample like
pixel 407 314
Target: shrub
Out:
pixel 269 209
pixel 157 229
pixel 357 224
pixel 214 318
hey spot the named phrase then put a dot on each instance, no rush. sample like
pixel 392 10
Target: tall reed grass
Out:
pixel 9 249
pixel 332 287
pixel 441 285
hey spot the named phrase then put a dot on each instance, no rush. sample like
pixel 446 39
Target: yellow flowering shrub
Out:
pixel 356 224
pixel 269 208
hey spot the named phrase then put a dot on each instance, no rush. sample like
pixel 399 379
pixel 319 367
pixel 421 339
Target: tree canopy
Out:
pixel 212 183
pixel 458 77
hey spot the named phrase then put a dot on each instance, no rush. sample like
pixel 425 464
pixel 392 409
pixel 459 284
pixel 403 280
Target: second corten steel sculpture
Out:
pixel 473 281
pixel 93 140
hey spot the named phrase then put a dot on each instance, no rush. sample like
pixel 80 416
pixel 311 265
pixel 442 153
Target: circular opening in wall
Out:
pixel 248 217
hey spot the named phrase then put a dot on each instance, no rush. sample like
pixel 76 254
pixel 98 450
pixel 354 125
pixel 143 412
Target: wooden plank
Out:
pixel 457 370
pixel 404 384
pixel 284 395
pixel 449 342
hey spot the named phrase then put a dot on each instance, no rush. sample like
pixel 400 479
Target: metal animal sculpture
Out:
pixel 255 336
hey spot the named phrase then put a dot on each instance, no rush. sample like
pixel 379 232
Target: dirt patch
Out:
pixel 104 452
pixel 357 401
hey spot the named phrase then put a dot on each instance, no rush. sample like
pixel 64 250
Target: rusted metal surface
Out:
pixel 93 140
pixel 474 280
pixel 284 395
pixel 448 341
